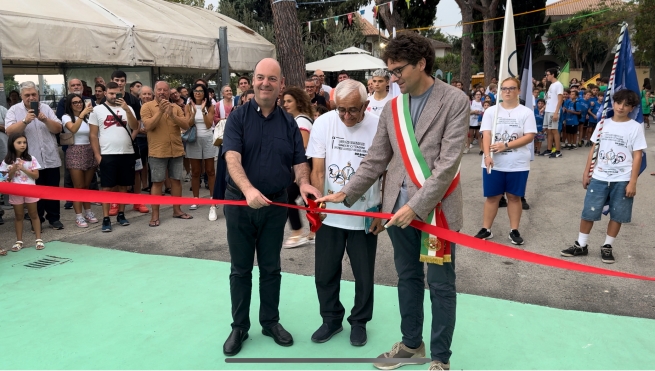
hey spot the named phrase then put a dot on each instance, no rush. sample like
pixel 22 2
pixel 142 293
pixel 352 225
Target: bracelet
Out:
pixel 485 156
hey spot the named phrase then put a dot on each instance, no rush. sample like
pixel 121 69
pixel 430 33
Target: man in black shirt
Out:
pixel 310 88
pixel 261 143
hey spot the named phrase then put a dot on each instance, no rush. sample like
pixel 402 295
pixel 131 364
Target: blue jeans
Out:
pixel 599 194
pixel 411 290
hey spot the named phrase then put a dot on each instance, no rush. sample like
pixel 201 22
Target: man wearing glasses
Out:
pixel 428 123
pixel 339 141
pixel 321 79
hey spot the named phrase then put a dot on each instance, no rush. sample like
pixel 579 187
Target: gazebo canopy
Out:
pixel 40 36
pixel 351 59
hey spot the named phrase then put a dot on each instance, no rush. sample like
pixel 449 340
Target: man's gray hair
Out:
pixel 26 85
pixel 347 87
pixel 381 73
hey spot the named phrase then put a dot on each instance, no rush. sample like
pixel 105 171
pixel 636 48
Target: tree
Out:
pixel 488 9
pixel 452 62
pixel 325 41
pixel 644 38
pixel 10 83
pixel 289 42
pixel 420 14
pixel 466 43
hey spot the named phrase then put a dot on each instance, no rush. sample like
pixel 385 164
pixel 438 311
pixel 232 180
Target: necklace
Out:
pixel 509 111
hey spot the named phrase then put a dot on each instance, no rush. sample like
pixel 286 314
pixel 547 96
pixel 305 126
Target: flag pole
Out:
pixel 606 100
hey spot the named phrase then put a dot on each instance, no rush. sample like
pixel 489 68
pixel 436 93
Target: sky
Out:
pixel 447 14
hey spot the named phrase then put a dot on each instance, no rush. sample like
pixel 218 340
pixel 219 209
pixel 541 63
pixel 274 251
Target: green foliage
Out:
pixel 326 40
pixel 644 38
pixel 436 34
pixel 10 84
pixel 452 62
pixel 418 15
pixel 533 24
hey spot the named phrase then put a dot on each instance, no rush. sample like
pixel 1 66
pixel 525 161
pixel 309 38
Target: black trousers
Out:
pixel 249 231
pixel 294 215
pixel 48 208
pixel 331 243
pixel 220 183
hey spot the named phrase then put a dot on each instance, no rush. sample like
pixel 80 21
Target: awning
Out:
pixel 351 59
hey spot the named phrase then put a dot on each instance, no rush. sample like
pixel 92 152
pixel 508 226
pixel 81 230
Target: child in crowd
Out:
pixel 485 106
pixel 539 111
pixel 21 168
pixel 583 105
pixel 592 118
pixel 562 117
pixel 572 113
pixel 614 178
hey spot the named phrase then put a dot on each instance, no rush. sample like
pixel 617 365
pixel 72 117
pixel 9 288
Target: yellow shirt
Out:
pixel 166 139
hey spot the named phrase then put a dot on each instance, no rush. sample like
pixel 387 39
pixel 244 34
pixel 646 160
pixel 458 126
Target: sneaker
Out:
pixel 544 153
pixel 2 221
pixel 57 225
pixel 515 237
pixel 502 202
pixel 606 254
pixel 311 237
pixel 475 141
pixel 325 333
pixel 141 208
pixel 399 350
pixel 575 250
pixel 68 205
pixel 90 217
pixel 113 210
pixel 81 222
pixel 558 154
pixel 193 207
pixel 573 146
pixel 484 234
pixel 106 224
pixel 466 150
pixel 524 204
pixel 294 241
pixel 481 153
pixel 187 177
pixel 122 220
pixel 358 336
pixel 439 366
pixel 212 213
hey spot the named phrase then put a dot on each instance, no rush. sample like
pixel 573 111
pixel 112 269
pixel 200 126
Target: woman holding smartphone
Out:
pixel 79 157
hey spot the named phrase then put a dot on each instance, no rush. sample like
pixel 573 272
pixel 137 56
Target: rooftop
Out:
pixel 570 7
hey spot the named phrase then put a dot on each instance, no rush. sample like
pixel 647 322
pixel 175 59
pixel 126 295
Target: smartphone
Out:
pixel 119 95
pixel 87 102
pixel 35 107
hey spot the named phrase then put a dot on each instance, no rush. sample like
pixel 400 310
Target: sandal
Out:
pixel 17 246
pixel 39 244
pixel 3 252
pixel 183 216
pixel 154 223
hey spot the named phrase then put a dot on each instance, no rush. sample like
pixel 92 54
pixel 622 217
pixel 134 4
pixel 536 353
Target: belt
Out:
pixel 270 196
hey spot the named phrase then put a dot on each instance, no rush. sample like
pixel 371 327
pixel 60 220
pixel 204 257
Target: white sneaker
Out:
pixel 212 213
pixel 294 241
pixel 187 177
pixel 193 207
pixel 81 222
pixel 90 217
pixel 466 150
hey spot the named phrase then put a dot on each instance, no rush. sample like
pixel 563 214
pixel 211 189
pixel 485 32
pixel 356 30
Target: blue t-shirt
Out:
pixel 593 107
pixel 539 118
pixel 571 119
pixel 583 106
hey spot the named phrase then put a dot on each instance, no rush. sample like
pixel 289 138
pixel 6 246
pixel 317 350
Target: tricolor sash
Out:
pixel 434 250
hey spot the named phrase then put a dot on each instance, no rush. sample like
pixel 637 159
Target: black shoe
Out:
pixel 502 202
pixel 68 205
pixel 515 237
pixel 56 225
pixel 481 153
pixel 1 221
pixel 167 191
pixel 325 333
pixel 524 204
pixel 484 234
pixel 279 334
pixel 27 216
pixel 544 153
pixel 120 218
pixel 575 250
pixel 606 254
pixel 234 342
pixel 358 336
pixel 146 190
pixel 558 154
pixel 106 224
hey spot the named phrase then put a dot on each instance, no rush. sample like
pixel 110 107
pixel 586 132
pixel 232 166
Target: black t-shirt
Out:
pixel 319 100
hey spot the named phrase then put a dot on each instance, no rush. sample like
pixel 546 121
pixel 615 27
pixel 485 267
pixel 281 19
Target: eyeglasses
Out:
pixel 352 110
pixel 76 102
pixel 320 75
pixel 199 91
pixel 510 88
pixel 398 72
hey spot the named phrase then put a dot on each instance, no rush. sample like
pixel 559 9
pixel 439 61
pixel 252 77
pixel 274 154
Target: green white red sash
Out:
pixel 434 250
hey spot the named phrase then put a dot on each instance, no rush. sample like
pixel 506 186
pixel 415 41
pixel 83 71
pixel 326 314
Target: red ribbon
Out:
pixel 85 195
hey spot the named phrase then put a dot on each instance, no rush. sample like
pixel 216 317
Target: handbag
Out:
pixel 219 130
pixel 190 136
pixel 137 153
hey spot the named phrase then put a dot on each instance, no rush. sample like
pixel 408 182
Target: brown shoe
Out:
pixel 438 366
pixel 399 350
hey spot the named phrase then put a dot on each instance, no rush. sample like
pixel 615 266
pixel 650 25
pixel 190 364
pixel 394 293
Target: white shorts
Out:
pixel 549 124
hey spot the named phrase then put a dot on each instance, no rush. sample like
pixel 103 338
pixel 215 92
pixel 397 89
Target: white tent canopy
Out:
pixel 38 36
pixel 351 59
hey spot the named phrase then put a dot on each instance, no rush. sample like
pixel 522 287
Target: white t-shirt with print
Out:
pixel 512 124
pixel 617 142
pixel 475 106
pixel 304 123
pixel 114 139
pixel 82 135
pixel 375 106
pixel 343 149
pixel 19 176
pixel 552 98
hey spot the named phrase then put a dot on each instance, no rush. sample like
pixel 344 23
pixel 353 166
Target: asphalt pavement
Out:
pixel 555 196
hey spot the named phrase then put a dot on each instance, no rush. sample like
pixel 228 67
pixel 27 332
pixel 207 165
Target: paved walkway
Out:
pixel 99 308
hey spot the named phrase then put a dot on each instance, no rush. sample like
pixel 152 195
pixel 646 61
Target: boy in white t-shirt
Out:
pixel 380 96
pixel 614 179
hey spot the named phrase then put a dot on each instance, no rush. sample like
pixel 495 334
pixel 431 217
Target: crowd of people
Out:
pixel 394 145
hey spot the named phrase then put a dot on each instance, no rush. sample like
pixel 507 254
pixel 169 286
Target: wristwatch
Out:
pixel 506 146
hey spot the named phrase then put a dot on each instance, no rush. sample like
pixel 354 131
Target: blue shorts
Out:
pixel 601 193
pixel 499 182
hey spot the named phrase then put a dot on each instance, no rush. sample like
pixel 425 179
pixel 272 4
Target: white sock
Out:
pixel 583 238
pixel 78 215
pixel 87 211
pixel 609 240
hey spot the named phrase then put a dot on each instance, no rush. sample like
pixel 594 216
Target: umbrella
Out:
pixel 351 59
